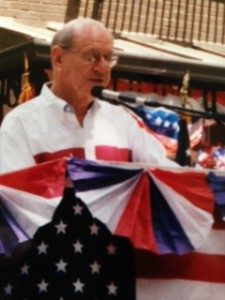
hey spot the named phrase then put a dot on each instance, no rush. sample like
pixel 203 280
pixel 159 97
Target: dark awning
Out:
pixel 12 48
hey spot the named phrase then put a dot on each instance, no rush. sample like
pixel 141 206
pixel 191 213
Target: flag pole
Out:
pixel 26 89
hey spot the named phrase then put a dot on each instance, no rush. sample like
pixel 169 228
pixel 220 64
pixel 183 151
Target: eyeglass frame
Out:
pixel 92 58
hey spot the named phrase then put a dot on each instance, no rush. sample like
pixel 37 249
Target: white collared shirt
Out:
pixel 46 128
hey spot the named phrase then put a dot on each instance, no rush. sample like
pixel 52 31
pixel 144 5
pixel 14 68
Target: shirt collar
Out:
pixel 61 108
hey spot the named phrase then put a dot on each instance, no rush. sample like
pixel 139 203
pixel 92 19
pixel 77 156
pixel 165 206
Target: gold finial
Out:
pixel 26 64
pixel 184 89
pixel 184 97
pixel 26 90
pixel 25 75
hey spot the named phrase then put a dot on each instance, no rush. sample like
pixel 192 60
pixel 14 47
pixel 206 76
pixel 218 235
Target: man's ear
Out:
pixel 56 57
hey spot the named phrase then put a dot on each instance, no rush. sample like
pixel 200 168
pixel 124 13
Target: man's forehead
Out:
pixel 95 45
pixel 97 35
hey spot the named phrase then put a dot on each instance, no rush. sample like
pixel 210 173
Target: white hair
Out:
pixel 67 35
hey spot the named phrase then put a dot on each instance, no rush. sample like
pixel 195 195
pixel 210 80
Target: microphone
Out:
pixel 105 94
pixel 100 92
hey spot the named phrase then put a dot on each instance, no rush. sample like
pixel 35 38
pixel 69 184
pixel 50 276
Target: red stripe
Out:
pixel 136 218
pixel 113 153
pixel 47 156
pixel 45 180
pixel 101 152
pixel 194 266
pixel 191 185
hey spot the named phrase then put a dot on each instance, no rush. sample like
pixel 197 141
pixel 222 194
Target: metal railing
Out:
pixel 184 21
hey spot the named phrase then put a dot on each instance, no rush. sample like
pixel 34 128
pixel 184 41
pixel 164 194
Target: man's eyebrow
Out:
pixel 94 49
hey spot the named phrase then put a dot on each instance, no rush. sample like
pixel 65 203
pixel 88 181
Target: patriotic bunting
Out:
pixel 59 243
pixel 157 210
pixel 28 199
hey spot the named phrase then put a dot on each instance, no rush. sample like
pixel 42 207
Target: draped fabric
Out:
pixel 158 210
pixel 166 216
pixel 162 211
pixel 28 199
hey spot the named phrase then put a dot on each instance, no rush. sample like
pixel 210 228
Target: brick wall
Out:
pixel 34 12
pixel 180 20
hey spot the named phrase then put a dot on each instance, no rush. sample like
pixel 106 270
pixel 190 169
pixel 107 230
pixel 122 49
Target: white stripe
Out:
pixel 29 210
pixel 196 222
pixel 108 203
pixel 176 289
pixel 214 244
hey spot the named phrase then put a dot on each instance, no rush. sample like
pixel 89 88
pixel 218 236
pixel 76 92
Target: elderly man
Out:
pixel 65 120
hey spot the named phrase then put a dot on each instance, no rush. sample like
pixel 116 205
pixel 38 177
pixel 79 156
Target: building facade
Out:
pixel 175 20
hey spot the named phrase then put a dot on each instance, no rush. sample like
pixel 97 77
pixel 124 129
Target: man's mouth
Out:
pixel 96 80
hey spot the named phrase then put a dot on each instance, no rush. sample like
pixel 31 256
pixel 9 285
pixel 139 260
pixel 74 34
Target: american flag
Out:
pixel 74 256
pixel 171 129
pixel 211 157
pixel 161 122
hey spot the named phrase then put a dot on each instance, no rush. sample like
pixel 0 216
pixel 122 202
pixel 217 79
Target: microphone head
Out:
pixel 97 91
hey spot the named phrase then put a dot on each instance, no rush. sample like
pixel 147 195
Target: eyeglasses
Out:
pixel 94 58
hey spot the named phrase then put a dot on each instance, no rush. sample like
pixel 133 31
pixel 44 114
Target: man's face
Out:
pixel 88 63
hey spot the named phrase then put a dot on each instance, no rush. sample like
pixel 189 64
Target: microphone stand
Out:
pixel 178 109
pixel 187 111
pixel 128 98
